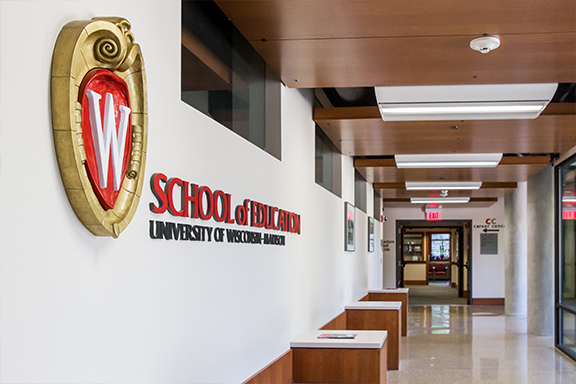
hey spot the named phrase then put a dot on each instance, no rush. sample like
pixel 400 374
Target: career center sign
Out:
pixel 489 237
pixel 180 198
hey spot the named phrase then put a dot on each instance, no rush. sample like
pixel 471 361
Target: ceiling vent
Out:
pixel 464 102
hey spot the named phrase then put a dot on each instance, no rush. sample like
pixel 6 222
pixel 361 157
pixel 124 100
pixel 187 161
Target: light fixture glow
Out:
pixel 464 102
pixel 569 199
pixel 449 160
pixel 463 109
pixel 448 185
pixel 439 200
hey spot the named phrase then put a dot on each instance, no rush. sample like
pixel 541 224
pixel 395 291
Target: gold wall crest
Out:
pixel 100 121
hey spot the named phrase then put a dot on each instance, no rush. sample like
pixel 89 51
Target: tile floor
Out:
pixel 476 344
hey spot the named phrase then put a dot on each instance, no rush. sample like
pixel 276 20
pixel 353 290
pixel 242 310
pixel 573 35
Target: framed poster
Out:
pixel 349 229
pixel 370 234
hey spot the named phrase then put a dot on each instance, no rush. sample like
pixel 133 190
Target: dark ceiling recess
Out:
pixel 566 93
pixel 351 97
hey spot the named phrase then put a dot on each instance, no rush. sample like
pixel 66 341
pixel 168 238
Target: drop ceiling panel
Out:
pixel 332 19
pixel 434 60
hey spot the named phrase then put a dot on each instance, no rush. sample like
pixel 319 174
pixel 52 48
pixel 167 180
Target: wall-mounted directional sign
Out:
pixel 488 243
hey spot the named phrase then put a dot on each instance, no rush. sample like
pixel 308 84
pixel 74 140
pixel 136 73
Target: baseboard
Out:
pixel 279 371
pixel 465 294
pixel 415 282
pixel 488 301
pixel 454 285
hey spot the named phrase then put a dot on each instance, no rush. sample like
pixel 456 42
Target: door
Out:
pixel 460 262
pixel 400 258
pixel 467 270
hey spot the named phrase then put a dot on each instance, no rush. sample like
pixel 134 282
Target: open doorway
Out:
pixel 434 260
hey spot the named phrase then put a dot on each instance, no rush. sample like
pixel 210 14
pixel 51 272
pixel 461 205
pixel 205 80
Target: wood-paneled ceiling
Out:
pixel 362 43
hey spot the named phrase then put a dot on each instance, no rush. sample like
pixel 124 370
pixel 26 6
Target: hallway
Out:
pixel 435 293
pixel 476 344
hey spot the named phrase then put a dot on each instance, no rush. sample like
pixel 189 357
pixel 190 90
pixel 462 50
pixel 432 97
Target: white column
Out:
pixel 516 259
pixel 541 253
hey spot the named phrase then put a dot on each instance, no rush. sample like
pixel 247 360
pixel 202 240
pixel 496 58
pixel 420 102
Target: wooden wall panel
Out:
pixel 488 301
pixel 277 372
pixel 337 323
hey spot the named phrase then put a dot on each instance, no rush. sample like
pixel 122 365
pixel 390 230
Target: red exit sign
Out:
pixel 568 215
pixel 434 216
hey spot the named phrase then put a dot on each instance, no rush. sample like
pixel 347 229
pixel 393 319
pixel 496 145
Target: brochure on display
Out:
pixel 338 336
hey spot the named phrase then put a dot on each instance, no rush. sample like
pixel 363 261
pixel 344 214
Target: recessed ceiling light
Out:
pixel 464 102
pixel 449 160
pixel 439 200
pixel 447 185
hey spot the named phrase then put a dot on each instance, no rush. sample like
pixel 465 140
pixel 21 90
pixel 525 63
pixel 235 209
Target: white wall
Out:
pixel 75 308
pixel 487 270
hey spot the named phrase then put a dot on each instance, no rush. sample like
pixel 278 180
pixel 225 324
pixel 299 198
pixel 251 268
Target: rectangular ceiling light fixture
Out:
pixel 440 186
pixel 439 200
pixel 464 102
pixel 449 160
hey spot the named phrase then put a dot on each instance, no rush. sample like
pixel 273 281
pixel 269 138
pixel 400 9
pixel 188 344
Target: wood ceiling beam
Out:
pixel 389 185
pixel 525 160
pixel 560 109
pixel 501 184
pixel 368 163
pixel 346 113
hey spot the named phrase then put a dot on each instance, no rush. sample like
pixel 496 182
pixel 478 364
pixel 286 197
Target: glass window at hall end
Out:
pixel 566 250
pixel 568 234
pixel 224 77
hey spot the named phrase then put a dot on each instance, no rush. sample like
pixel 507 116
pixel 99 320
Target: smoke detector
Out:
pixel 485 44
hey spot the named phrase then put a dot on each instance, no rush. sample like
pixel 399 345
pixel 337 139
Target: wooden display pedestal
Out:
pixel 335 361
pixel 393 294
pixel 379 316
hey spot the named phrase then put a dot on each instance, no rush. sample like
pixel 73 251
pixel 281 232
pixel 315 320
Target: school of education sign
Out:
pixel 185 200
pixel 99 121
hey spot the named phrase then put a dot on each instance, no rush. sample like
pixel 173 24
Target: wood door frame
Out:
pixel 401 225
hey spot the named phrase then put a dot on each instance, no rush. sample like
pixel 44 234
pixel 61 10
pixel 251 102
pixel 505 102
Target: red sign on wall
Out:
pixel 434 216
pixel 568 215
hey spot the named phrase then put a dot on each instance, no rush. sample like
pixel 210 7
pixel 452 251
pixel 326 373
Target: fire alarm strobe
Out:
pixel 485 44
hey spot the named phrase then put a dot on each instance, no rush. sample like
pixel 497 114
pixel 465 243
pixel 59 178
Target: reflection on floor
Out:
pixel 434 293
pixel 476 344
